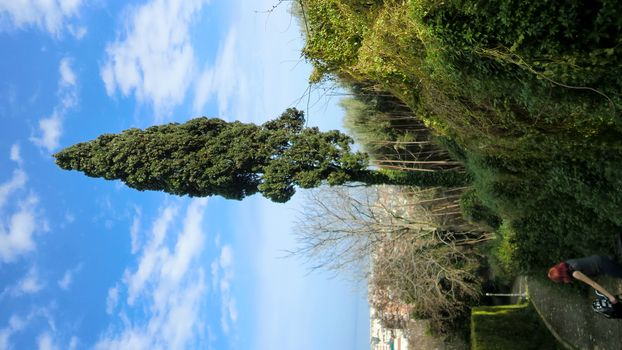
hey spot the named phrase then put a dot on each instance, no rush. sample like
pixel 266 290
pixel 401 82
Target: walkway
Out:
pixel 567 311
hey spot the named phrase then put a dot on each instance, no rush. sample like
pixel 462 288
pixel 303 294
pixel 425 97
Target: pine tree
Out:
pixel 209 156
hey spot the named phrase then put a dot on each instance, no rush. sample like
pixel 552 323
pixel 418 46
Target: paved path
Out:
pixel 567 311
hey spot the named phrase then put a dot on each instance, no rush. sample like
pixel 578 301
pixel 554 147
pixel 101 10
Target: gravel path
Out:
pixel 567 311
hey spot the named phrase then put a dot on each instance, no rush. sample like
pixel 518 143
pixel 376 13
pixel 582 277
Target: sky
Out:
pixel 91 264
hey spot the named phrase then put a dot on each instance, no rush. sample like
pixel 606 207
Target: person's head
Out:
pixel 560 273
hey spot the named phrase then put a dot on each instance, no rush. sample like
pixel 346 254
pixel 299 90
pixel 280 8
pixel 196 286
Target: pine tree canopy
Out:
pixel 209 156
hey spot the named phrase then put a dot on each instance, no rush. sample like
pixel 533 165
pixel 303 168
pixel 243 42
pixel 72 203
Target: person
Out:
pixel 584 269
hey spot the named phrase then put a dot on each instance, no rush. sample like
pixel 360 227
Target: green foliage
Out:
pixel 358 40
pixel 448 178
pixel 529 70
pixel 509 327
pixel 526 94
pixel 176 158
pixel 559 230
pixel 556 209
pixel 491 75
pixel 337 29
pixel 503 261
pixel 367 125
pixel 475 210
pixel 206 157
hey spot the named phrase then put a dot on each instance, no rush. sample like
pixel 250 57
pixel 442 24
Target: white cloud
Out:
pixel 168 284
pixel 215 273
pixel 258 71
pixel 224 79
pixel 17 226
pixel 16 236
pixel 30 284
pixel 16 324
pixel 16 183
pixel 45 342
pixel 16 154
pixel 50 15
pixel 67 76
pixel 37 316
pixel 135 231
pixel 78 32
pixel 189 244
pixel 154 58
pixel 222 276
pixel 5 335
pixel 152 257
pixel 73 343
pixel 65 282
pixel 68 219
pixel 112 300
pixel 231 310
pixel 226 257
pixel 51 128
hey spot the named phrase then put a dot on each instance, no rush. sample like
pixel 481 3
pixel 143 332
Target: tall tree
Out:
pixel 205 157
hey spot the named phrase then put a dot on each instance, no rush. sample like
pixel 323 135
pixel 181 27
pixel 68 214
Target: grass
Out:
pixel 509 327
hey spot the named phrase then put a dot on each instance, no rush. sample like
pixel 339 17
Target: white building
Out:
pixel 385 339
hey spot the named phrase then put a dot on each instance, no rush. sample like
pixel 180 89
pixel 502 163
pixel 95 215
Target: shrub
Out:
pixel 526 95
pixel 502 259
pixel 475 210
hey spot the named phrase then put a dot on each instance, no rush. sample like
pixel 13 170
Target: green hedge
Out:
pixel 509 327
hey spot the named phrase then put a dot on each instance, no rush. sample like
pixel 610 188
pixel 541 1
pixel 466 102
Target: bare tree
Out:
pixel 436 280
pixel 341 226
pixel 412 244
pixel 338 228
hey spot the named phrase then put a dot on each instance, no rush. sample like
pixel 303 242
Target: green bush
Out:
pixel 503 262
pixel 475 210
pixel 526 94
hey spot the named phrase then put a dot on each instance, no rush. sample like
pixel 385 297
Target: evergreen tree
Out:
pixel 205 157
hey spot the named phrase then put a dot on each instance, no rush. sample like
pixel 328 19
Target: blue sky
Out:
pixel 87 263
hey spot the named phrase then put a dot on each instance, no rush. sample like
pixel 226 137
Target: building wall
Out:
pixel 382 338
